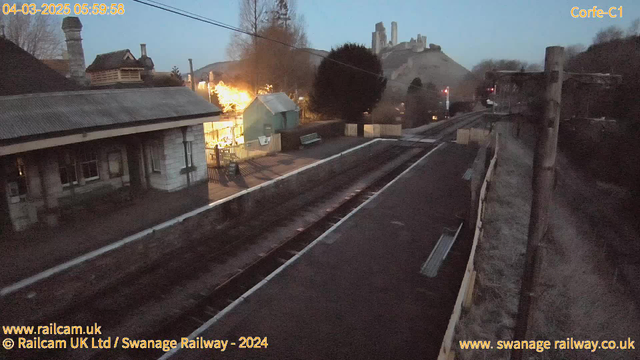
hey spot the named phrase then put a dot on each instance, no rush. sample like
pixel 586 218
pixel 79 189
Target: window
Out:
pixel 115 164
pixel 89 165
pixel 268 130
pixel 68 171
pixel 189 157
pixel 17 182
pixel 154 154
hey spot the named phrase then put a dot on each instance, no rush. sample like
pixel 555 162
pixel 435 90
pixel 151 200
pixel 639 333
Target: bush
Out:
pixel 385 113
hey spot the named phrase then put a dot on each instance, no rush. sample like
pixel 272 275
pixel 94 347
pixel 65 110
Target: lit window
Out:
pixel 189 157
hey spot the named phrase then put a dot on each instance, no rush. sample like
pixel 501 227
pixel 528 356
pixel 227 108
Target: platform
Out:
pixel 34 250
pixel 358 293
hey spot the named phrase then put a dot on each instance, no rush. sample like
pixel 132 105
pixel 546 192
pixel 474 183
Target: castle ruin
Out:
pixel 379 41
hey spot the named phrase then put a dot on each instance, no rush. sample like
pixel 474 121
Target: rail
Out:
pixel 465 293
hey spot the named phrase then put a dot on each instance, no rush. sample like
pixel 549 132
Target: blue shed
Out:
pixel 269 113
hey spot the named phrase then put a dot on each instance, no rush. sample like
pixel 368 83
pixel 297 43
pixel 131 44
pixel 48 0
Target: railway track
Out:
pixel 125 297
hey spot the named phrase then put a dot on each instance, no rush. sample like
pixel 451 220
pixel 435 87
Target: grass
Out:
pixel 499 257
pixel 583 288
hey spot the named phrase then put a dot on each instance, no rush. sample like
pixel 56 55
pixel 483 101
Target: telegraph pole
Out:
pixel 193 80
pixel 544 166
pixel 544 172
pixel 544 163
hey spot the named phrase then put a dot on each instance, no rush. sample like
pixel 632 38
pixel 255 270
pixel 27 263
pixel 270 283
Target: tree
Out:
pixel 415 86
pixel 175 72
pixel 634 28
pixel 39 35
pixel 572 51
pixel 609 34
pixel 270 62
pixel 345 92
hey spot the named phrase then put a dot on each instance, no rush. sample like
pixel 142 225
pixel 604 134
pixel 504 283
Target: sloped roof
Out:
pixel 64 113
pixel 21 73
pixel 277 102
pixel 114 60
pixel 61 66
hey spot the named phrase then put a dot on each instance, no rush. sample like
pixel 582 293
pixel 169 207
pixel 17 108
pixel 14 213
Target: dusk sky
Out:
pixel 468 31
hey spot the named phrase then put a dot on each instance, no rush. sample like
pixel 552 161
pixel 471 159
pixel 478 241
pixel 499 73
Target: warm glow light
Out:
pixel 234 99
pixel 267 89
pixel 230 98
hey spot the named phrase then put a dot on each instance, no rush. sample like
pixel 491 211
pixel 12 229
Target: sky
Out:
pixel 468 30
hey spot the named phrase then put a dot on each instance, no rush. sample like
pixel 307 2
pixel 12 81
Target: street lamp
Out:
pixel 446 91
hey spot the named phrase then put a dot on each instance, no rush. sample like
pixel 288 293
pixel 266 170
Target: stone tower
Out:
pixel 72 27
pixel 394 33
pixel 378 38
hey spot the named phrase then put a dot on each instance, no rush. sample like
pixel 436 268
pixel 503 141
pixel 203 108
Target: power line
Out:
pixel 193 16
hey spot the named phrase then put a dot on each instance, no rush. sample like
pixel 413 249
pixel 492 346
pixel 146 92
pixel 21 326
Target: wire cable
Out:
pixel 193 16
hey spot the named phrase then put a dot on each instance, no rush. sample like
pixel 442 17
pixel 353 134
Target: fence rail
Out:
pixel 465 294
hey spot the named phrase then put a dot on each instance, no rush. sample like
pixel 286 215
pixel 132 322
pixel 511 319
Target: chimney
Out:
pixel 143 50
pixel 72 27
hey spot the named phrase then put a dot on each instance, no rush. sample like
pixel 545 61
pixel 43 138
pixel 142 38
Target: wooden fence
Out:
pixel 465 294
pixel 246 151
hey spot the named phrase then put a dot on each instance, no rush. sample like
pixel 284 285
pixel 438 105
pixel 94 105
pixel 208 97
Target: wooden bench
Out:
pixel 309 138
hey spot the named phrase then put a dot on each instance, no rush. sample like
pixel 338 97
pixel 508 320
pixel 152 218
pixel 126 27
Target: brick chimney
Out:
pixel 72 27
pixel 143 50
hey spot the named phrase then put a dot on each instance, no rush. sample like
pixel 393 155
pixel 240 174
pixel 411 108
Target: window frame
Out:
pixel 189 154
pixel 62 166
pixel 156 164
pixel 113 174
pixel 95 161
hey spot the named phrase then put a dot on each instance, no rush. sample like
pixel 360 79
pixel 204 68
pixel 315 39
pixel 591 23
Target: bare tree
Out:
pixel 572 51
pixel 39 35
pixel 268 62
pixel 634 28
pixel 609 34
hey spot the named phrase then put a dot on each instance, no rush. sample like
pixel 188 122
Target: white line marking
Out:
pixel 230 307
pixel 90 255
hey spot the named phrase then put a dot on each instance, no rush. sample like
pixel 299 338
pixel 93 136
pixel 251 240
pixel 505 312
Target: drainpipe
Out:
pixel 145 164
pixel 186 156
pixel 43 186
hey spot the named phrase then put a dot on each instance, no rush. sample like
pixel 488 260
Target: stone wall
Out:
pixel 170 144
pixel 262 197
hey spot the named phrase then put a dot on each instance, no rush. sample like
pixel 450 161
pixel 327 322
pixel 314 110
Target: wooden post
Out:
pixel 193 80
pixel 544 173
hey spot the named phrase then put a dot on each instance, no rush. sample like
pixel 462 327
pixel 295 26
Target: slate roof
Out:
pixel 26 117
pixel 114 60
pixel 21 73
pixel 277 102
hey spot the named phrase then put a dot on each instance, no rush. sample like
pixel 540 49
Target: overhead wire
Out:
pixel 197 17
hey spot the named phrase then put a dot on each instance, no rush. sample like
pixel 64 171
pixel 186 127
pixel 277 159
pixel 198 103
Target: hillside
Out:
pixel 429 65
pixel 226 70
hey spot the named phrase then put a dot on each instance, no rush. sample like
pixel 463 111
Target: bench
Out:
pixel 309 138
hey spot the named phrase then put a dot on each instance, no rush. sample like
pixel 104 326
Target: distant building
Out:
pixel 115 67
